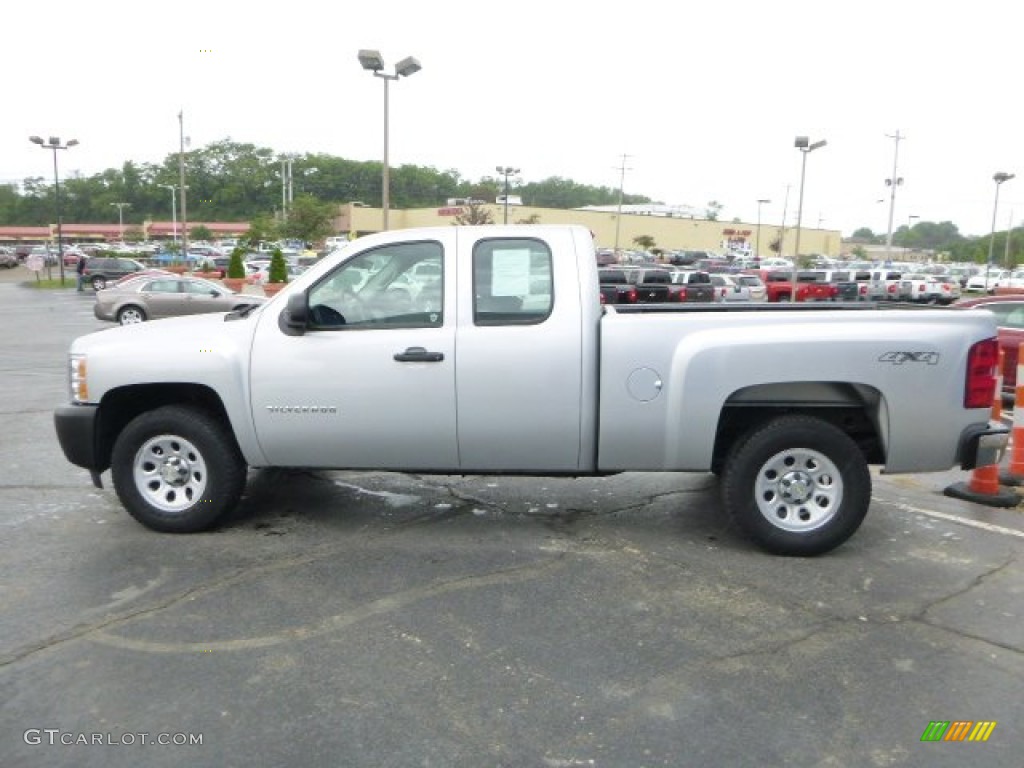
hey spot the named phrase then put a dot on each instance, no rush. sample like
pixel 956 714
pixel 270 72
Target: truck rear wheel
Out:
pixel 177 469
pixel 796 485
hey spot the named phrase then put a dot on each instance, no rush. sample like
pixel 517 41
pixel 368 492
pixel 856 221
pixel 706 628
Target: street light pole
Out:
pixel 998 178
pixel 182 187
pixel 373 62
pixel 894 182
pixel 618 215
pixel 757 247
pixel 120 217
pixel 54 144
pixel 506 171
pixel 804 145
pixel 174 211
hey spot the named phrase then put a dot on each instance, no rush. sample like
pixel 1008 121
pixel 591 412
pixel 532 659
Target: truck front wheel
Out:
pixel 177 469
pixel 796 485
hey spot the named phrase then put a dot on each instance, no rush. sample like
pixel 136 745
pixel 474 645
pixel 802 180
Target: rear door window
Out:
pixel 512 282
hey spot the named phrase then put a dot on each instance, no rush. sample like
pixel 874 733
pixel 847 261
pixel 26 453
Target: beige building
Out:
pixel 668 232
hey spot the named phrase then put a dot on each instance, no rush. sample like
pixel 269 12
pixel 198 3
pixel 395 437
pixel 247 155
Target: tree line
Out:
pixel 233 181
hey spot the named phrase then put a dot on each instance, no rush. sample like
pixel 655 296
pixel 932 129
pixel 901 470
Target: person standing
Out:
pixel 80 269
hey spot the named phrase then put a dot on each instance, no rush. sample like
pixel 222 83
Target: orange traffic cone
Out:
pixel 1015 471
pixel 983 487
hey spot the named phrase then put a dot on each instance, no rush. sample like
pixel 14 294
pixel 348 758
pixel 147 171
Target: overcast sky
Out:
pixel 704 98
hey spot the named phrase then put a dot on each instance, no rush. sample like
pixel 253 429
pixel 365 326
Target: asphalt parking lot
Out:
pixel 382 619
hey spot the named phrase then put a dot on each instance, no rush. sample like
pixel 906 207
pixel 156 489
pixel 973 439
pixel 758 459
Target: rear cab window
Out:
pixel 513 282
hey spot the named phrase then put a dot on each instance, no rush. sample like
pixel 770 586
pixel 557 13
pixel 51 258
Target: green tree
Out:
pixel 714 208
pixel 235 266
pixel 474 212
pixel 644 242
pixel 278 272
pixel 309 220
pixel 200 232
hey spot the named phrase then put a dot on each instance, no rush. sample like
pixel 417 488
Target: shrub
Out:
pixel 235 266
pixel 278 269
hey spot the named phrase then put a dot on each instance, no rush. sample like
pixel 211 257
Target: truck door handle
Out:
pixel 419 355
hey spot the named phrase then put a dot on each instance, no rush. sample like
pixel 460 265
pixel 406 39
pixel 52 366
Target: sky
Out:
pixel 698 102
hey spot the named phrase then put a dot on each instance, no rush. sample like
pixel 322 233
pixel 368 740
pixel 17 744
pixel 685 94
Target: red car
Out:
pixel 1009 312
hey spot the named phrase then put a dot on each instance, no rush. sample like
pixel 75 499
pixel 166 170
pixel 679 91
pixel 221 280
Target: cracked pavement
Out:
pixel 381 619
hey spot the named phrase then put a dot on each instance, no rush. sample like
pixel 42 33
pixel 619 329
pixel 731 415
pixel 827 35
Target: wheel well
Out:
pixel 850 408
pixel 121 405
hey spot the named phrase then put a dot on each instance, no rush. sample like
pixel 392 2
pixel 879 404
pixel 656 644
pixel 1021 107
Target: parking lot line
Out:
pixel 952 518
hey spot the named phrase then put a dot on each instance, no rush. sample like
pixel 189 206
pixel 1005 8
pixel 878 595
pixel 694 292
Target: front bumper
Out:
pixel 77 432
pixel 982 445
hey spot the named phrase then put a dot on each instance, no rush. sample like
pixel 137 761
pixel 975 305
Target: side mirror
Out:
pixel 295 317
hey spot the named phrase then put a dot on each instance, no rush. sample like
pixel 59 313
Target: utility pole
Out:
pixel 181 171
pixel 893 182
pixel 618 217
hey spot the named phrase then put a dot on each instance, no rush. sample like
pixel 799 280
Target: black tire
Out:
pixel 99 282
pixel 130 315
pixel 796 486
pixel 177 469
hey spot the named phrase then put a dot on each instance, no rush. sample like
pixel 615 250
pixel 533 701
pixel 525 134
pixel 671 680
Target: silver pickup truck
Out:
pixel 474 350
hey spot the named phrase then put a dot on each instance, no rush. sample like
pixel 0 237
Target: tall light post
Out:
pixel 373 62
pixel 998 178
pixel 618 215
pixel 806 147
pixel 120 216
pixel 892 183
pixel 757 247
pixel 181 186
pixel 506 171
pixel 174 211
pixel 54 144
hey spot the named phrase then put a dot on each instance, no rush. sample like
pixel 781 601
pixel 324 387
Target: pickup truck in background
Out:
pixel 653 285
pixel 695 286
pixel 520 370
pixel 779 287
pixel 615 288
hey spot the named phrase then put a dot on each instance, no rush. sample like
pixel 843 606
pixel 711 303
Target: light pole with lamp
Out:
pixel 373 62
pixel 998 178
pixel 174 211
pixel 506 171
pixel 757 247
pixel 120 217
pixel 55 144
pixel 806 147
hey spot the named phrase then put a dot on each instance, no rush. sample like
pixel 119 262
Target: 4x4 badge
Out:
pixel 899 358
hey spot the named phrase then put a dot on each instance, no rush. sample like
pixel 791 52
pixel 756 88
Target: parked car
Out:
pixel 986 282
pixel 754 284
pixel 103 270
pixel 8 258
pixel 922 288
pixel 1009 313
pixel 156 296
pixel 727 288
pixel 696 286
pixel 654 285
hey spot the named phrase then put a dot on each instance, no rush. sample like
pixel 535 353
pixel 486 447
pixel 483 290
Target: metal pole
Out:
pixel 757 248
pixel 385 195
pixel 894 182
pixel 991 237
pixel 181 169
pixel 506 195
pixel 60 235
pixel 1009 232
pixel 799 217
pixel 618 216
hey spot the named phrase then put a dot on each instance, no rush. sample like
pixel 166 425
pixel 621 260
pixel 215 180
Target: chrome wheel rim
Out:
pixel 130 317
pixel 798 490
pixel 170 473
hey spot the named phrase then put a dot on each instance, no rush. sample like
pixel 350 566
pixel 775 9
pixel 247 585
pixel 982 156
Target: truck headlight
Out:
pixel 78 380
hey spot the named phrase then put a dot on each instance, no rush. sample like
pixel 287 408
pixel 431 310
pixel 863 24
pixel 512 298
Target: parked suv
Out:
pixel 101 270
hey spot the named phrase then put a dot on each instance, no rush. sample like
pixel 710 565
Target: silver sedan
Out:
pixel 156 296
